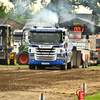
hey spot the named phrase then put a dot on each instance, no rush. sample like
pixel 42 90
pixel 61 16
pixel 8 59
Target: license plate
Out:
pixel 45 63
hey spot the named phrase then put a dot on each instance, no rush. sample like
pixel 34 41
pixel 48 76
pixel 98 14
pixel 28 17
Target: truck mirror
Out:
pixel 66 39
pixel 64 34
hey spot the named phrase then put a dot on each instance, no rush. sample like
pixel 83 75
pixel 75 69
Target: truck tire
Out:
pixel 22 58
pixel 6 61
pixel 31 66
pixel 14 60
pixel 63 67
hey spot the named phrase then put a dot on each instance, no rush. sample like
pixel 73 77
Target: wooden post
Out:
pixel 84 90
pixel 41 96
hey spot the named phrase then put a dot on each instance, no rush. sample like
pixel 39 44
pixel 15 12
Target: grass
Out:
pixel 94 67
pixel 14 65
pixel 92 97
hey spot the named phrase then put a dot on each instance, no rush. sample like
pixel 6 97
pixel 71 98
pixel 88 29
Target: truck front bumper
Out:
pixel 55 62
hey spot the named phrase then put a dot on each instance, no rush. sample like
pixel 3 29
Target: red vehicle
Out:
pixel 81 53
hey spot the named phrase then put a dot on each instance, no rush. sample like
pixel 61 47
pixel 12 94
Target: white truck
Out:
pixel 48 48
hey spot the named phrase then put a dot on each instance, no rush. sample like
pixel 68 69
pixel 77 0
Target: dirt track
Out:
pixel 20 83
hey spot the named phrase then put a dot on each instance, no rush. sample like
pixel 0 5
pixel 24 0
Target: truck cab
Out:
pixel 47 49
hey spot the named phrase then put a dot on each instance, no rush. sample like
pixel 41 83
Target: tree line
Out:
pixel 25 9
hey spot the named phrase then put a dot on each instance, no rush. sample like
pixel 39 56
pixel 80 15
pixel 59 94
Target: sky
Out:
pixel 6 2
pixel 38 6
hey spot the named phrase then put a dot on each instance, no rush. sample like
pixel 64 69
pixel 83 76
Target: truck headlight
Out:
pixel 31 57
pixel 59 57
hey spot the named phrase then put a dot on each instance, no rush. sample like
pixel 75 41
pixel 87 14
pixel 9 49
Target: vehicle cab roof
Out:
pixel 48 29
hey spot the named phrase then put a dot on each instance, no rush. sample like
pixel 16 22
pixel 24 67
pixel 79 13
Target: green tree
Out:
pixel 93 5
pixel 21 11
pixel 68 6
pixel 16 1
pixel 3 10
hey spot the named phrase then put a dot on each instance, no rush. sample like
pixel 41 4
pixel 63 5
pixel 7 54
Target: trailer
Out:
pixel 96 53
pixel 93 52
pixel 98 48
pixel 80 41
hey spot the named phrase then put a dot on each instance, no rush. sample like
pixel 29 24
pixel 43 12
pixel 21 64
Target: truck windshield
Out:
pixel 75 34
pixel 3 34
pixel 3 30
pixel 46 38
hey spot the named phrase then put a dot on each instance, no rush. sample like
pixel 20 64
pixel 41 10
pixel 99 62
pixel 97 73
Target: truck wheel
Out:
pixel 63 67
pixel 6 61
pixel 23 59
pixel 13 61
pixel 31 66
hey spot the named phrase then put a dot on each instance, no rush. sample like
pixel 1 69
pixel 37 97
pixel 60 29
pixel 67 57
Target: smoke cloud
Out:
pixel 52 13
pixel 47 16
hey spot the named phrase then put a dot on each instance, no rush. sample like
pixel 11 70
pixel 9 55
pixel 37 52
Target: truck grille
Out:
pixel 45 54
